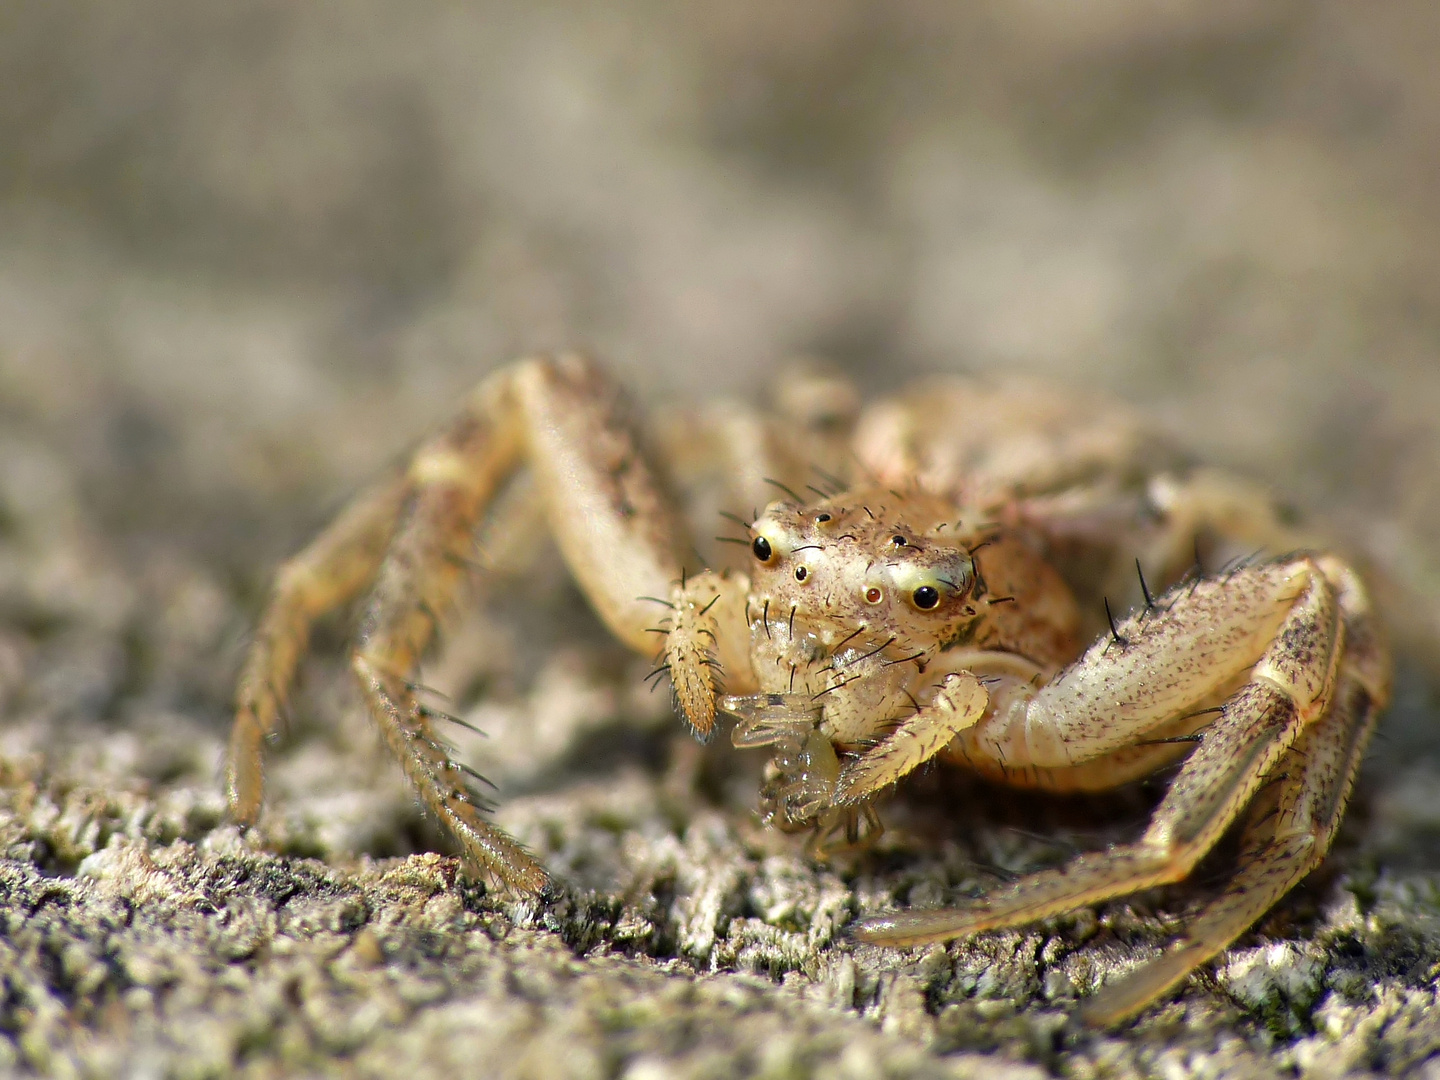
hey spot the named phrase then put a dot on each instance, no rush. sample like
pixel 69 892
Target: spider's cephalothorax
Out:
pixel 929 609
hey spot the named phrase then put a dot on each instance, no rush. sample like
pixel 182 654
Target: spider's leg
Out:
pixel 1288 688
pixel 1239 515
pixel 623 541
pixel 815 780
pixel 1289 832
pixel 960 701
pixel 563 419
pixel 1290 825
pixel 337 566
pixel 451 481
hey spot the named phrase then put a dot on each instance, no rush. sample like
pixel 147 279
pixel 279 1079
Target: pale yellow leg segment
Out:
pixel 959 703
pixel 452 481
pixel 1233 758
pixel 441 783
pixel 1290 687
pixel 610 518
pixel 1198 641
pixel 1290 827
pixel 1160 748
pixel 814 777
pixel 335 568
pixel 1289 835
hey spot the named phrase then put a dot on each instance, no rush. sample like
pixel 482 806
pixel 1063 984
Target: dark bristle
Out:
pixel 788 491
pixel 1145 588
pixel 468 771
pixel 830 478
pixel 907 660
pixel 837 686
pixel 436 714
pixel 1114 633
pixel 872 652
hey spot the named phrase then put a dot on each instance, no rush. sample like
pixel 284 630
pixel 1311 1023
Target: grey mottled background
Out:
pixel 251 251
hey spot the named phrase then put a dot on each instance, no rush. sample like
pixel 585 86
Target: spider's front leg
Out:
pixel 814 786
pixel 1292 650
pixel 411 542
pixel 1289 826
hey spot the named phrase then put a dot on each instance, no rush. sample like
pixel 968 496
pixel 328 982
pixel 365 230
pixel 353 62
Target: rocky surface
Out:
pixel 249 254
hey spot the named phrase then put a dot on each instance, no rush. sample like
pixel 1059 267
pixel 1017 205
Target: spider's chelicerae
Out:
pixel 953 591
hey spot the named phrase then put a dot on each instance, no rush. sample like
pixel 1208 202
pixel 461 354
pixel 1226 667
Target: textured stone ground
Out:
pixel 249 254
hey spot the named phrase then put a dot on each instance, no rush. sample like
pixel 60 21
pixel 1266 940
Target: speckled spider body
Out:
pixel 929 604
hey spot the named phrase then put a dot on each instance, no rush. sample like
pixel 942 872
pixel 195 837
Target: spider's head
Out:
pixel 864 559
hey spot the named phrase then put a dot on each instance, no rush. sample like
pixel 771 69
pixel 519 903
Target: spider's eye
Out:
pixel 801 573
pixel 925 597
pixel 897 540
pixel 819 518
pixel 761 547
pixel 873 595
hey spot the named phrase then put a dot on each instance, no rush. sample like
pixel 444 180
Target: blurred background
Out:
pixel 251 251
pixel 238 236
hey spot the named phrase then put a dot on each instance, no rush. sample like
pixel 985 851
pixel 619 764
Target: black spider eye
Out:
pixel 761 547
pixel 897 540
pixel 821 518
pixel 801 573
pixel 926 597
